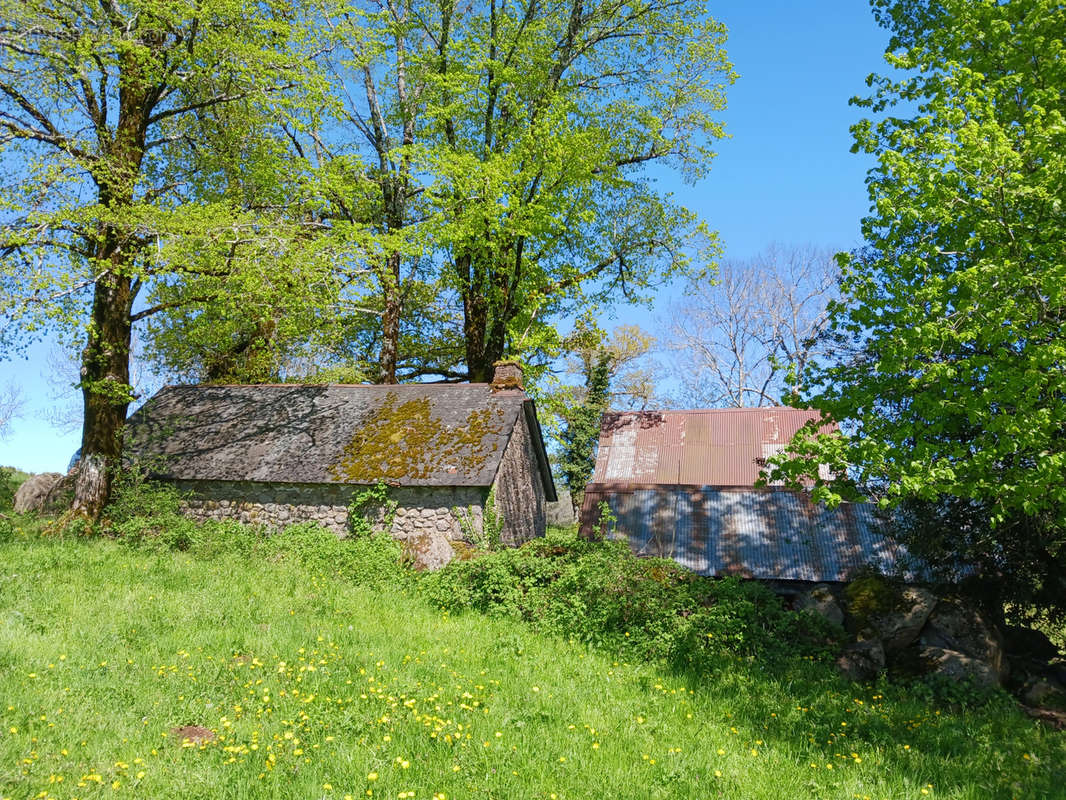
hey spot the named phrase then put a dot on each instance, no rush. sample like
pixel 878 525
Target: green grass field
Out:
pixel 316 688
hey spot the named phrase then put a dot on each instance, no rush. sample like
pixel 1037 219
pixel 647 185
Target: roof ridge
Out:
pixel 387 386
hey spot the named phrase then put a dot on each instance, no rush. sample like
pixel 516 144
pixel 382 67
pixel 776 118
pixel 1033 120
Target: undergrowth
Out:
pixel 145 515
pixel 598 592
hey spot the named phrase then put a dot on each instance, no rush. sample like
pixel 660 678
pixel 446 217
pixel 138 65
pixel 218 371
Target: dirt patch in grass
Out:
pixel 193 733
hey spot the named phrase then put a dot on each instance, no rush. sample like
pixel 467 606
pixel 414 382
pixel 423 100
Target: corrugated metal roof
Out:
pixel 411 434
pixel 765 534
pixel 714 447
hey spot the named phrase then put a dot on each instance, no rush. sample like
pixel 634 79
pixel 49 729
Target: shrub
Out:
pixel 600 593
pixel 147 513
pixel 487 536
pixel 9 484
pixel 371 509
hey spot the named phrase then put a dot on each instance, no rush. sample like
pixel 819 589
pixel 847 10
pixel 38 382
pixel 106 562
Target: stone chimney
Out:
pixel 508 375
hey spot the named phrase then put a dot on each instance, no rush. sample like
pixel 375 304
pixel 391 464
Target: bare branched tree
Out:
pixel 632 371
pixel 10 408
pixel 745 340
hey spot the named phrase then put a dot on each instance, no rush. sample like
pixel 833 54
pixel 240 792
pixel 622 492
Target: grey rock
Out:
pixel 953 626
pixel 862 660
pixel 32 495
pixel 959 666
pixel 428 552
pixel 901 627
pixel 1029 643
pixel 1045 692
pixel 61 495
pixel 821 601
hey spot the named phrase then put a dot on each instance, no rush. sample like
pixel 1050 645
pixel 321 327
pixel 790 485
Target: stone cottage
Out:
pixel 278 454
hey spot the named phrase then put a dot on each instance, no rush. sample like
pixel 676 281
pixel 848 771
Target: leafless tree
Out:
pixel 10 408
pixel 745 340
pixel 634 371
pixel 62 373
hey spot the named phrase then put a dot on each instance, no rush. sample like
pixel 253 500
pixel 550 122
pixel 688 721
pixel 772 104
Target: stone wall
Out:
pixel 274 505
pixel 421 509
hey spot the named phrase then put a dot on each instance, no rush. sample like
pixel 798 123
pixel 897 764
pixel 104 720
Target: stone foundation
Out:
pixel 427 519
pixel 420 510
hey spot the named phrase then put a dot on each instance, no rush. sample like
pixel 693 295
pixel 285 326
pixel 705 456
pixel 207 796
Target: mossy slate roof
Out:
pixel 407 435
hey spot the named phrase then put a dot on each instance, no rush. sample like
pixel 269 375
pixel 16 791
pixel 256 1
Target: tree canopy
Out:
pixel 137 152
pixel 949 348
pixel 414 189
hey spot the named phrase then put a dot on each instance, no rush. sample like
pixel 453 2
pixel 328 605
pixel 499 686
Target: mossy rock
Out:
pixel 870 596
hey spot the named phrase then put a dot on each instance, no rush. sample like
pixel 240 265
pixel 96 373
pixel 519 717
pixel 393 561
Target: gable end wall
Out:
pixel 519 488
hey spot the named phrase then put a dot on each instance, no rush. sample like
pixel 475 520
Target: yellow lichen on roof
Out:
pixel 406 441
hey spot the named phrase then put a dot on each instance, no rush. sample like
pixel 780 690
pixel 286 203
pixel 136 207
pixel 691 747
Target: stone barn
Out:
pixel 279 454
pixel 681 485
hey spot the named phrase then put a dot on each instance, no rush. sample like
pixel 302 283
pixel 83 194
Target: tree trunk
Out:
pixel 478 363
pixel 105 361
pixel 105 376
pixel 390 321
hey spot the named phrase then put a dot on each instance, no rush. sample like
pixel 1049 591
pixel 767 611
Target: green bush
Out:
pixel 9 484
pixel 147 514
pixel 600 593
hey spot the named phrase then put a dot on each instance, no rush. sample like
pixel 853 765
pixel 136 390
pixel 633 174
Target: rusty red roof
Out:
pixel 711 447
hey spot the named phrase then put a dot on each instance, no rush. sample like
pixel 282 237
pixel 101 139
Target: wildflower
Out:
pixel 373 776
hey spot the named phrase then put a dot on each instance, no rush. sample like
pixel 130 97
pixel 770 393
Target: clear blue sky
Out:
pixel 785 176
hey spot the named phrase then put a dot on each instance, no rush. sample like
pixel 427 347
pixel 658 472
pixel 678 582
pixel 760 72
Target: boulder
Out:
pixel 428 551
pixel 61 494
pixel 1057 670
pixel 959 666
pixel 32 495
pixel 900 626
pixel 862 660
pixel 961 629
pixel 1023 642
pixel 821 601
pixel 1045 693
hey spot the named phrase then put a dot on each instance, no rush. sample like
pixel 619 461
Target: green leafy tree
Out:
pixel 948 378
pixel 545 118
pixel 133 146
pixel 488 163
